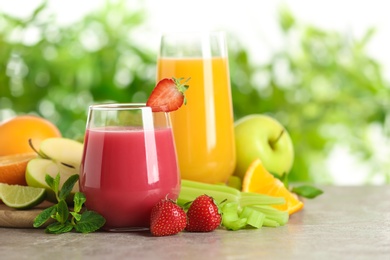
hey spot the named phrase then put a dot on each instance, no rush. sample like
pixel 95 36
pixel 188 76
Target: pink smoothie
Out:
pixel 125 171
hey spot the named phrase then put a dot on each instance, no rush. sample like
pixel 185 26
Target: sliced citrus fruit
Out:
pixel 21 197
pixel 258 179
pixel 13 168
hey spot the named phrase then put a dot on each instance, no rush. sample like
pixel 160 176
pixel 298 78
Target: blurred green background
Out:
pixel 325 88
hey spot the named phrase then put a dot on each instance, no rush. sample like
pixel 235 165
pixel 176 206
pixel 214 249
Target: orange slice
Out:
pixel 257 179
pixel 13 168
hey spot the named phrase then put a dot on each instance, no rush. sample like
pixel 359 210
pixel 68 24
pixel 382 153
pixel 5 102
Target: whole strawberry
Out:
pixel 167 218
pixel 203 215
pixel 167 95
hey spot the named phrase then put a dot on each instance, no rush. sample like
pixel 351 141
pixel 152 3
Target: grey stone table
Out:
pixel 343 223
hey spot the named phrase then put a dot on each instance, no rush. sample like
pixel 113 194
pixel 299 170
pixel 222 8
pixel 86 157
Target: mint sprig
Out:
pixel 65 219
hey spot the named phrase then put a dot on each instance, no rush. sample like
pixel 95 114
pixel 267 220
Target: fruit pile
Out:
pixel 32 147
pixel 265 156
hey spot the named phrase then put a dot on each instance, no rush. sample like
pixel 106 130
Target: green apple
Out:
pixel 263 137
pixel 62 150
pixel 57 155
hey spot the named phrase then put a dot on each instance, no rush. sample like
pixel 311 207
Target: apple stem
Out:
pixel 32 146
pixel 35 150
pixel 272 143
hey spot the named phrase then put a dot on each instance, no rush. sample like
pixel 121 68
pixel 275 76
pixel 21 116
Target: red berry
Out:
pixel 203 215
pixel 168 95
pixel 167 218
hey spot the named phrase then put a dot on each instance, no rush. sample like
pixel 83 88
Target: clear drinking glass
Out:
pixel 129 163
pixel 203 129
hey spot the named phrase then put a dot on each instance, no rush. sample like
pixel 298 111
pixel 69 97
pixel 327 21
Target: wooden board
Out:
pixel 14 218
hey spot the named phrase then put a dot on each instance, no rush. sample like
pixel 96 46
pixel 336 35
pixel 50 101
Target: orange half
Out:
pixel 257 179
pixel 13 168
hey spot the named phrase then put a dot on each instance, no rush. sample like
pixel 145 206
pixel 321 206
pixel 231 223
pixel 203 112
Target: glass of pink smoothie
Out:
pixel 129 163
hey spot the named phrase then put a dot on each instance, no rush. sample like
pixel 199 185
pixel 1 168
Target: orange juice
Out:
pixel 203 128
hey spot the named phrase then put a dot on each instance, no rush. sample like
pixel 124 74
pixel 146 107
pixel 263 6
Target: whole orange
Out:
pixel 15 133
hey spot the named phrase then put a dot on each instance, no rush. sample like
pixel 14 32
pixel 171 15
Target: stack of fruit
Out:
pixel 23 167
pixel 263 146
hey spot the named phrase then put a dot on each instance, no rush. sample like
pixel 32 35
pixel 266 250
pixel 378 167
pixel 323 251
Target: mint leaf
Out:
pixel 68 186
pixel 50 181
pixel 307 191
pixel 78 199
pixel 57 183
pixel 283 178
pixel 44 216
pixel 59 228
pixel 76 215
pixel 62 211
pixel 54 183
pixel 90 221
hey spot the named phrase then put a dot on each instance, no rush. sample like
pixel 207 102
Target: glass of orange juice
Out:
pixel 204 127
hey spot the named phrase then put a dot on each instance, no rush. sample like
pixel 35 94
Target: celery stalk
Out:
pixel 254 218
pixel 281 217
pixel 270 223
pixel 210 187
pixel 249 199
pixel 188 194
pixel 230 217
pixel 239 209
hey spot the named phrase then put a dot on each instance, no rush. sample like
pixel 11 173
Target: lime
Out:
pixel 21 197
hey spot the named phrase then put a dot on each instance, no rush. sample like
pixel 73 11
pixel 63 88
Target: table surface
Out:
pixel 343 223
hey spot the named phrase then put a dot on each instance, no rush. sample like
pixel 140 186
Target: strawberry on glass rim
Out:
pixel 168 95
